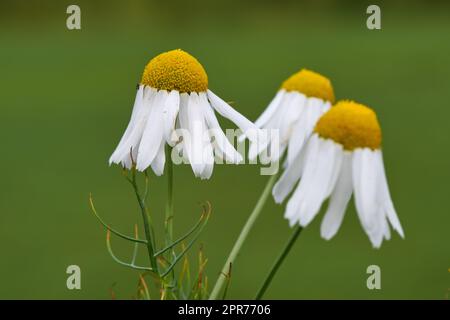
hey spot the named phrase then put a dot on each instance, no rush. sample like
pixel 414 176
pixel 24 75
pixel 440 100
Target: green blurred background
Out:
pixel 66 98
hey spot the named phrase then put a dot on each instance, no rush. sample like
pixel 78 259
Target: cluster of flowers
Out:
pixel 331 149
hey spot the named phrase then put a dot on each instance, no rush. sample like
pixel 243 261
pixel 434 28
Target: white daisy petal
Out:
pixel 192 119
pixel 224 109
pixel 357 178
pixel 386 197
pixel 298 139
pixel 137 105
pixel 293 110
pixel 278 127
pixel 134 138
pixel 313 109
pixel 209 162
pixel 170 113
pixel 311 159
pixel 184 146
pixel 387 231
pixel 160 159
pixel 289 178
pixel 271 109
pixel 269 112
pixel 222 145
pixel 291 212
pixel 339 199
pixel 365 189
pixel 323 180
pixel 153 133
pixel 253 151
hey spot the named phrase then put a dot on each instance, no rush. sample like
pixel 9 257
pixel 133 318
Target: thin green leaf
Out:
pixel 190 244
pixel 129 265
pixel 117 233
pixel 136 245
pixel 191 231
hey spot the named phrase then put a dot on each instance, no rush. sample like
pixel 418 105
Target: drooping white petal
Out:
pixel 357 178
pixel 170 113
pixel 293 110
pixel 386 200
pixel 127 162
pixel 271 109
pixel 387 230
pixel 276 151
pixel 160 159
pixel 317 108
pixel 254 150
pixel 302 129
pixel 289 178
pixel 323 180
pixel 365 190
pixel 153 133
pixel 269 112
pixel 278 129
pixel 135 135
pixel 225 110
pixel 137 105
pixel 339 199
pixel 184 146
pixel 222 145
pixel 298 139
pixel 311 158
pixel 209 162
pixel 192 119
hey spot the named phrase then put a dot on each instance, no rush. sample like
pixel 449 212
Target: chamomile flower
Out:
pixel 343 156
pixel 294 111
pixel 173 105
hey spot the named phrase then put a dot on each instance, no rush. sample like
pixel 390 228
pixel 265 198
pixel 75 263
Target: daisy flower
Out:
pixel 343 156
pixel 174 106
pixel 294 111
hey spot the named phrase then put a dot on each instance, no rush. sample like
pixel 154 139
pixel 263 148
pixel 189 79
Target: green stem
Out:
pixel 169 205
pixel 221 281
pixel 278 263
pixel 168 223
pixel 147 224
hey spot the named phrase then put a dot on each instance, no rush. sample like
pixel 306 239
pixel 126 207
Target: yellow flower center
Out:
pixel 351 124
pixel 175 70
pixel 311 84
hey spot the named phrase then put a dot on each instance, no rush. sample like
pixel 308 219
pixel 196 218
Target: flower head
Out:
pixel 342 157
pixel 293 113
pixel 173 105
pixel 175 70
pixel 311 84
pixel 352 125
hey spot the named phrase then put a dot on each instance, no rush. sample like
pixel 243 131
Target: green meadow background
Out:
pixel 66 97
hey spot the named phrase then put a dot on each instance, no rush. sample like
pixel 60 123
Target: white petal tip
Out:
pixel 327 235
pixel 277 198
pixel 141 168
pixel 292 222
pixel 158 172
